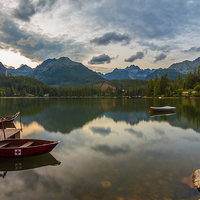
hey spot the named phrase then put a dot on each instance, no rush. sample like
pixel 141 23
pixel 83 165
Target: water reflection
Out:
pixel 159 114
pixel 17 164
pixel 30 129
pixel 110 149
pixel 51 113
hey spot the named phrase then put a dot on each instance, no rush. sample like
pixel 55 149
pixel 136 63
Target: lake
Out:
pixel 110 149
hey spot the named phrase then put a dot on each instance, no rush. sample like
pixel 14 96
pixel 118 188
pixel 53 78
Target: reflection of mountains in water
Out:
pixel 64 115
pixel 16 164
pixel 129 117
pixel 64 118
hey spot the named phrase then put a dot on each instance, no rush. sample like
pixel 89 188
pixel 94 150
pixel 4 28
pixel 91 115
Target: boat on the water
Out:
pixel 25 147
pixel 10 118
pixel 163 108
pixel 7 119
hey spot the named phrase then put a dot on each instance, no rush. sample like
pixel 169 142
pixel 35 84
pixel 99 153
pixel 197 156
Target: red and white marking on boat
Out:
pixel 18 152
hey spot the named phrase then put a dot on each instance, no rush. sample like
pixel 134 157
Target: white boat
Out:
pixel 163 108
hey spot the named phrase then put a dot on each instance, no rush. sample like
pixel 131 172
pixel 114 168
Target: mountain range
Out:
pixel 134 72
pixel 64 72
pixel 60 72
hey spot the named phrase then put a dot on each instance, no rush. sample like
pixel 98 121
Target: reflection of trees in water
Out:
pixel 191 111
pixel 32 106
pixel 65 114
pixel 187 112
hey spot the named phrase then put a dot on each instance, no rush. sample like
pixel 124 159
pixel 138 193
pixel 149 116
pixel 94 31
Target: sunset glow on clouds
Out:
pixel 100 34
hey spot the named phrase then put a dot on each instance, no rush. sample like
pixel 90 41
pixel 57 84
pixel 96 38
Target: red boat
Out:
pixel 25 147
pixel 10 118
pixel 5 119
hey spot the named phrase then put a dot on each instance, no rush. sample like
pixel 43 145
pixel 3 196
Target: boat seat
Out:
pixel 27 144
pixel 4 144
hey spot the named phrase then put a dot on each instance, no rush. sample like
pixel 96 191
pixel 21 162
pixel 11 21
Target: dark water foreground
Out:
pixel 110 149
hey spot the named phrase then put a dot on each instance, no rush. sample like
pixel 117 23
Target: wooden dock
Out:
pixel 10 133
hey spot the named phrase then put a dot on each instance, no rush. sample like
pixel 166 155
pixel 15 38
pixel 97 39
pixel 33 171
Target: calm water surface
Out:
pixel 110 149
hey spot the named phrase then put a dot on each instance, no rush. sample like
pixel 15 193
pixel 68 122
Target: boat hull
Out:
pixel 15 148
pixel 163 109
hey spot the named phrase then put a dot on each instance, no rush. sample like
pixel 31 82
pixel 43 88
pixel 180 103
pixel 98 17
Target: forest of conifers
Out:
pixel 21 86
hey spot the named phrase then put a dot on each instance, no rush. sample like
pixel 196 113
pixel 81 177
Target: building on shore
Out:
pixel 105 86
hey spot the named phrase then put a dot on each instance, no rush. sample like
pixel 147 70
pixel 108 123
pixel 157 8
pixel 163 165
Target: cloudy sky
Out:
pixel 101 34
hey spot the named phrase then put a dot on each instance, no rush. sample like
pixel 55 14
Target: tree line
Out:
pixel 170 88
pixel 21 86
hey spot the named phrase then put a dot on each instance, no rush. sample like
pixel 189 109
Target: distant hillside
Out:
pixel 23 70
pixel 65 73
pixel 186 66
pixel 132 72
pixel 172 74
pixel 2 68
pixel 126 83
pixel 183 67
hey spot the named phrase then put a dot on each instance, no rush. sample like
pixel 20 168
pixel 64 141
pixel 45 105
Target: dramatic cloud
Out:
pixel 78 29
pixel 100 59
pixel 193 49
pixel 160 57
pixel 35 46
pixel 111 37
pixel 2 20
pixel 139 55
pixel 31 40
pixel 45 4
pixel 153 47
pixel 25 10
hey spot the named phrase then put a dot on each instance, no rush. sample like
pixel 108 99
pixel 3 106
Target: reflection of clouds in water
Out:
pixel 101 130
pixel 39 186
pixel 111 151
pixel 159 132
pixel 193 139
pixel 138 134
pixel 88 158
pixel 32 128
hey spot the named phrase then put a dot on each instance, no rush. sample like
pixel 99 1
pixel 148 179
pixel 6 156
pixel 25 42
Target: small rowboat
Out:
pixel 10 118
pixel 163 109
pixel 25 147
pixel 5 119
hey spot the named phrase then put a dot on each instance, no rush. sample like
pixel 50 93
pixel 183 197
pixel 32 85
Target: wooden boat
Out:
pixel 163 109
pixel 25 147
pixel 5 119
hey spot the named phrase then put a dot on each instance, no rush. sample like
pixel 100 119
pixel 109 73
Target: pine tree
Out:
pixel 41 93
pixel 164 83
pixel 150 88
pixel 180 80
pixel 156 89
